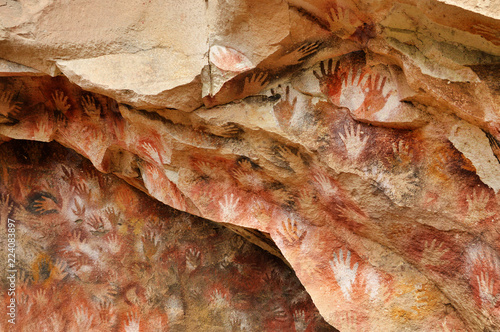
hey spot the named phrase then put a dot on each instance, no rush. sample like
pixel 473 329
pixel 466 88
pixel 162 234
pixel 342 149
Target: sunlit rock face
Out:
pixel 362 137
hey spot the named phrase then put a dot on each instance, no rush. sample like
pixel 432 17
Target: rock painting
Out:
pixel 356 142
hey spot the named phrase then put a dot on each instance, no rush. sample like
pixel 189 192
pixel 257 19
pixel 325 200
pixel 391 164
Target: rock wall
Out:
pixel 91 261
pixel 361 137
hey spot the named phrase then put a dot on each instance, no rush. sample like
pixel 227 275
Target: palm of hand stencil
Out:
pixel 486 284
pixel 228 207
pixel 7 106
pixel 477 202
pixel 345 275
pixel 343 21
pixel 364 91
pixel 60 101
pixel 433 253
pixel 353 140
pixel 374 97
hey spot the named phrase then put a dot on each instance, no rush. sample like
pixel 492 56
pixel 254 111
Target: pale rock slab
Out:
pixel 475 146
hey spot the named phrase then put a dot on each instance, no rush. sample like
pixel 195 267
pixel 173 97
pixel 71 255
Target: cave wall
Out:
pixel 89 260
pixel 359 139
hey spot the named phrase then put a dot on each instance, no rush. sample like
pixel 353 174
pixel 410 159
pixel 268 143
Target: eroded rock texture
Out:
pixel 91 261
pixel 363 136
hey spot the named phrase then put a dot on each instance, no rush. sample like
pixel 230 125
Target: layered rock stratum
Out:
pixel 357 141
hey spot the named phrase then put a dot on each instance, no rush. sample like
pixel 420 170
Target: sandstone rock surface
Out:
pixel 361 136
